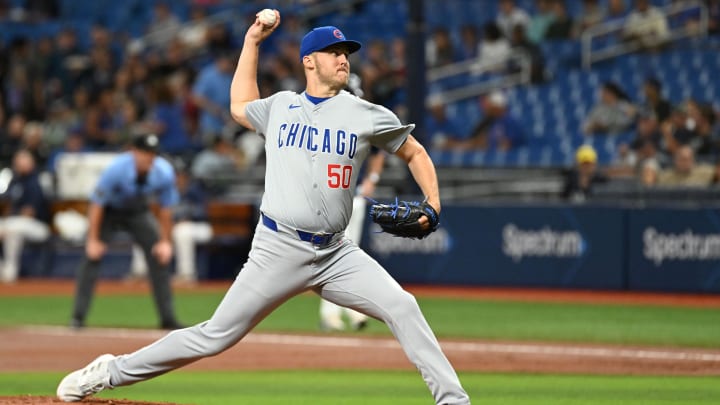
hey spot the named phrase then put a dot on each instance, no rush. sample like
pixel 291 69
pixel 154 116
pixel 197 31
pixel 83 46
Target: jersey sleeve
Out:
pixel 389 132
pixel 258 113
pixel 103 189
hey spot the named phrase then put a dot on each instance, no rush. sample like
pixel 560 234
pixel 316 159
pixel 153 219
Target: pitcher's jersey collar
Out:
pixel 315 100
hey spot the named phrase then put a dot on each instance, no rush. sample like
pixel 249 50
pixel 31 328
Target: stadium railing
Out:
pixel 605 41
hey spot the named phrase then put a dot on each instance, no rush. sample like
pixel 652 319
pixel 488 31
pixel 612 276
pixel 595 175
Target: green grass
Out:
pixel 448 317
pixel 381 387
pixel 497 320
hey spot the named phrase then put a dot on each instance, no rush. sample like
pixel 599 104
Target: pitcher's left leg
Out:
pixel 357 281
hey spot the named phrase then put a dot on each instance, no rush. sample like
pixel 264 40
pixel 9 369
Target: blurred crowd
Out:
pixel 675 142
pixel 67 93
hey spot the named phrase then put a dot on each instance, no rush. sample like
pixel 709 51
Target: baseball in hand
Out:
pixel 267 17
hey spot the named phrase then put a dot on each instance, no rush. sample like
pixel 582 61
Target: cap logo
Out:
pixel 338 34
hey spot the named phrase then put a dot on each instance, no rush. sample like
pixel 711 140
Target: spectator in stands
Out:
pixel 191 227
pixel 685 172
pixel 19 95
pixel 592 14
pixel 469 43
pixel 654 101
pixel 643 158
pixel 97 124
pixel 39 70
pixel 646 26
pixel 646 145
pixel 676 124
pixel 27 217
pixel 510 15
pixel 121 202
pixel 438 126
pixel 41 10
pixel 102 38
pixel 11 138
pixel 649 173
pixel 498 130
pixel 540 21
pixel 127 123
pixel 139 79
pixel 60 121
pixel 172 60
pixel 716 176
pixel 288 52
pixel 580 181
pixel 520 43
pixel 182 83
pixel 616 10
pixel 439 50
pixel 612 114
pixel 562 23
pixel 379 79
pixel 282 73
pixel 494 50
pixel 691 124
pixel 165 119
pixel 5 12
pixel 194 34
pixel 713 7
pixel 211 95
pixel 66 56
pixel 215 167
pixel 398 50
pixel 220 40
pixel 74 143
pixel 704 137
pixel 33 142
pixel 164 25
pixel 101 74
pixel 294 28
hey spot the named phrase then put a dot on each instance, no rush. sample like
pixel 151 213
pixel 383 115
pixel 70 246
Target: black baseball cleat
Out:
pixel 77 324
pixel 360 325
pixel 171 325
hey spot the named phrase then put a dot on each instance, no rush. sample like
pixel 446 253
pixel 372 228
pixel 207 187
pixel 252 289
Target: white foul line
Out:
pixel 376 343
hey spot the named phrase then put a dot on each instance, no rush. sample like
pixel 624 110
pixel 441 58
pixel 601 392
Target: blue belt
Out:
pixel 314 238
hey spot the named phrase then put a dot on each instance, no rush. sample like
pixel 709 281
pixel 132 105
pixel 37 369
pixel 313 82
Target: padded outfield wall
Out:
pixel 561 246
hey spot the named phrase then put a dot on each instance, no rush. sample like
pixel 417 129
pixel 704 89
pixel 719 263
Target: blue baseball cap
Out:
pixel 322 37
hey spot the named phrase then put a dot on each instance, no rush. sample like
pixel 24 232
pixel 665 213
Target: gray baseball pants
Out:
pixel 279 267
pixel 142 227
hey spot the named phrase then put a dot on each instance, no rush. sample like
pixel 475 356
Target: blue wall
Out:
pixel 560 246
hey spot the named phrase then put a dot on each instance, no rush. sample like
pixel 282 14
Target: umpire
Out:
pixel 120 202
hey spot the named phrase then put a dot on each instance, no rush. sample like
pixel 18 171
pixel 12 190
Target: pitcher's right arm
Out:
pixel 244 87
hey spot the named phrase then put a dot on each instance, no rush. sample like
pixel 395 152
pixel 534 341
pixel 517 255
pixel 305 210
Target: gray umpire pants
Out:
pixel 143 228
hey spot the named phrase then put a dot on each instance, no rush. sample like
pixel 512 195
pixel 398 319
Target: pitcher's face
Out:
pixel 332 66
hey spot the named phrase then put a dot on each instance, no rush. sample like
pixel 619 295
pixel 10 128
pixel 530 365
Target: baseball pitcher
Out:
pixel 315 143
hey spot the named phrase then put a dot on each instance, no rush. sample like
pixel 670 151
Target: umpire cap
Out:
pixel 147 142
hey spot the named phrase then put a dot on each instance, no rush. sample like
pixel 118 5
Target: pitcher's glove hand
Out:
pixel 402 218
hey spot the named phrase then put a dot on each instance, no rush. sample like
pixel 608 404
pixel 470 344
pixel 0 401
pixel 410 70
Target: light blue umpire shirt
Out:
pixel 119 187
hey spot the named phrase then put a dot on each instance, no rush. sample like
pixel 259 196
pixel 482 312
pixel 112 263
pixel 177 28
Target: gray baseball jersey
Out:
pixel 315 152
